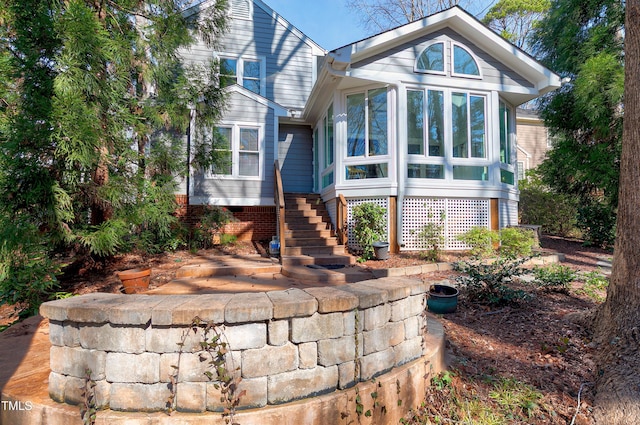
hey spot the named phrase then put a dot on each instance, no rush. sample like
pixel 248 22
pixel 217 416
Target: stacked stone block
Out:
pixel 285 345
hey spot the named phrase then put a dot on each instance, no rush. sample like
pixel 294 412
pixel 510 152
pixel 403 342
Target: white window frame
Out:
pixel 448 161
pixel 470 53
pixel 367 159
pixel 235 151
pixel 240 60
pixel 449 60
pixel 445 61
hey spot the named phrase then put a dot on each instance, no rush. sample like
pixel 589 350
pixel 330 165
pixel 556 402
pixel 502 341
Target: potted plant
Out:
pixel 135 280
pixel 370 230
pixel 442 299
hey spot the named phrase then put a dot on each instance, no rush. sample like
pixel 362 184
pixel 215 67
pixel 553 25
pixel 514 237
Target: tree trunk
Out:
pixel 617 328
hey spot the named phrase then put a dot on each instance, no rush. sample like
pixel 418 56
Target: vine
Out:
pixel 214 350
pixel 88 409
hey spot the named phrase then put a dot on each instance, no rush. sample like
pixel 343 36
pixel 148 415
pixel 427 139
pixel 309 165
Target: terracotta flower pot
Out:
pixel 135 280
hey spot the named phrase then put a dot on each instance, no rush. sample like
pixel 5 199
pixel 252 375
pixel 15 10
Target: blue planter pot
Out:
pixel 442 299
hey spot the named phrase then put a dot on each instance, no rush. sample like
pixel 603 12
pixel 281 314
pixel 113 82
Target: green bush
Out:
pixel 556 213
pixel 594 284
pixel 27 272
pixel 488 282
pixel 370 226
pixel 432 235
pixel 554 277
pixel 517 242
pixel 598 224
pixel 480 240
pixel 211 221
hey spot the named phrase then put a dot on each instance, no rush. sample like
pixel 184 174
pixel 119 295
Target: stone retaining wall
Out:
pixel 286 345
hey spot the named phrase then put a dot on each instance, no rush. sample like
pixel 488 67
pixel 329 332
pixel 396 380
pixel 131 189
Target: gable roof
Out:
pixel 278 109
pixel 464 24
pixel 338 62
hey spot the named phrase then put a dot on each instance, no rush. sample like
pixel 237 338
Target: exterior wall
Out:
pixel 402 59
pixel 533 140
pixel 225 190
pixel 286 345
pixel 295 146
pixel 289 60
pixel 249 224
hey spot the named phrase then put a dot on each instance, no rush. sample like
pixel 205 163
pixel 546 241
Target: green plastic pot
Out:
pixel 442 299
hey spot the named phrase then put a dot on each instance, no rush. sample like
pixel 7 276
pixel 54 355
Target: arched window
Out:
pixel 431 59
pixel 463 62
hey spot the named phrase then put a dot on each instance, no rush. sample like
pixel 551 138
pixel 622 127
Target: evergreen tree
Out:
pixel 583 42
pixel 96 101
pixel 515 19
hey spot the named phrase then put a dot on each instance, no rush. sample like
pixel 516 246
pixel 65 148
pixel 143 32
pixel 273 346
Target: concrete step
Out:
pixel 314 250
pixel 322 260
pixel 316 273
pixel 311 241
pixel 211 269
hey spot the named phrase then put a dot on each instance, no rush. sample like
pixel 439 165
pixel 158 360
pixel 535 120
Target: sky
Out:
pixel 329 22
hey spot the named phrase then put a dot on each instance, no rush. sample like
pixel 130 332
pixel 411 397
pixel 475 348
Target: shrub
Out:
pixel 212 220
pixel 598 224
pixel 432 234
pixel 27 272
pixel 516 242
pixel 594 284
pixel 555 277
pixel 481 240
pixel 488 282
pixel 370 226
pixel 556 213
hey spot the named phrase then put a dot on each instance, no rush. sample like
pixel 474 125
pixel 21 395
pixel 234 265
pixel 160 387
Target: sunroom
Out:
pixel 421 120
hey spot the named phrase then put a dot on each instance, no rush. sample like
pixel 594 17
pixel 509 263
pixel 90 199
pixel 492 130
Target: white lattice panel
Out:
pixel 462 215
pixel 383 202
pixel 331 209
pixel 416 213
pixel 508 213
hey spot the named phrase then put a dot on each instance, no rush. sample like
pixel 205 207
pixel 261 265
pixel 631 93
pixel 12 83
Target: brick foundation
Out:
pixel 252 223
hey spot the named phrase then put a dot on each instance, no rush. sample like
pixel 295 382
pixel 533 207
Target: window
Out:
pixel 248 73
pixel 521 170
pixel 447 58
pixel 367 123
pixel 431 59
pixel 228 74
pixel 468 125
pixel 507 159
pixel 241 145
pixel 328 137
pixel 463 62
pixel 434 123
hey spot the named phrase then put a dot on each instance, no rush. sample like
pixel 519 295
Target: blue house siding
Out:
pixel 225 190
pixel 295 145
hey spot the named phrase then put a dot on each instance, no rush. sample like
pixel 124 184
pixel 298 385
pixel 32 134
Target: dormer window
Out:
pixel 431 59
pixel 464 63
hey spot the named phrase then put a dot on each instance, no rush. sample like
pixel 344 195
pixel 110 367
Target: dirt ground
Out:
pixel 532 344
